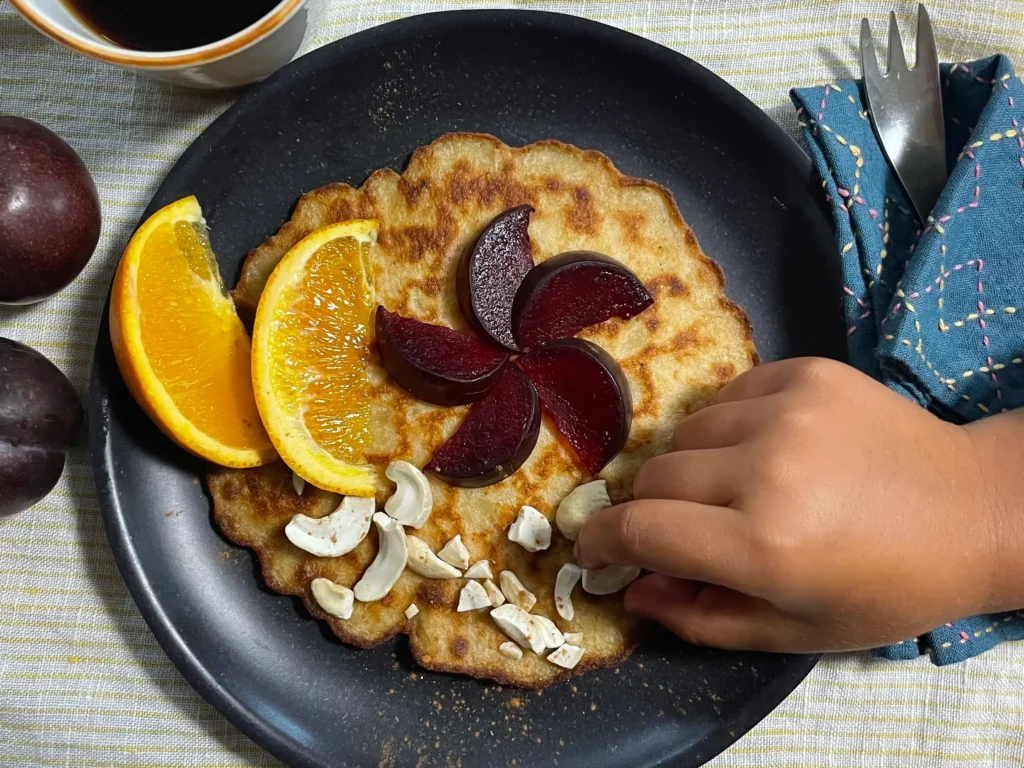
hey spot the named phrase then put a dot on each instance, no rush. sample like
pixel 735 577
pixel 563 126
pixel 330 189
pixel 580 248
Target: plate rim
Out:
pixel 275 740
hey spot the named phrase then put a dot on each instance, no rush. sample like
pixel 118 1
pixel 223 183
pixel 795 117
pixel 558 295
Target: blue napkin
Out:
pixel 934 309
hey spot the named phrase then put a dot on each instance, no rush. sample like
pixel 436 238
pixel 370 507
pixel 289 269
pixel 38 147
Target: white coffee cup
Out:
pixel 245 57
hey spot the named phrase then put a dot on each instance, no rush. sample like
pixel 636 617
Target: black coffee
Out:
pixel 160 25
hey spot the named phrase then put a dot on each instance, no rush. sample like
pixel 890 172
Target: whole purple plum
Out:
pixel 49 212
pixel 39 416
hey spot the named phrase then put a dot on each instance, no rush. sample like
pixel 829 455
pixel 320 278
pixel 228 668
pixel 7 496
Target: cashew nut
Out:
pixel 515 592
pixel 336 534
pixel 333 598
pixel 455 553
pixel 581 503
pixel 566 580
pixel 412 500
pixel 426 563
pixel 473 597
pixel 391 559
pixel 612 578
pixel 531 530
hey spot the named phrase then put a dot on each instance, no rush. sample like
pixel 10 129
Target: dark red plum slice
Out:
pixel 587 395
pixel 434 363
pixel 572 291
pixel 490 272
pixel 498 435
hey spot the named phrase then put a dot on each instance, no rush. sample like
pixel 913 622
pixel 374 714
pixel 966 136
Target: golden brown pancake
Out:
pixel 676 356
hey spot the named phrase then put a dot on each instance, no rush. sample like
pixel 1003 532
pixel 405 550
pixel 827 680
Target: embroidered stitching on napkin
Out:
pixel 933 309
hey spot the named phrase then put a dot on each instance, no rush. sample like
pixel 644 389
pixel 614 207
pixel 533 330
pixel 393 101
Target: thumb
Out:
pixel 707 614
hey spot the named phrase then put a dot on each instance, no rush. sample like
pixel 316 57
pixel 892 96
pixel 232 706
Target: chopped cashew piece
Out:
pixel 549 633
pixel 298 484
pixel 531 530
pixel 515 592
pixel 494 593
pixel 520 626
pixel 481 569
pixel 333 598
pixel 473 597
pixel 412 610
pixel 567 656
pixel 511 650
pixel 391 559
pixel 455 553
pixel 336 534
pixel 412 500
pixel 573 637
pixel 426 563
pixel 605 581
pixel 565 582
pixel 576 508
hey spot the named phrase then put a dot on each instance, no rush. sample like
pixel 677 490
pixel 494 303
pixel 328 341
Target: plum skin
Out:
pixel 49 212
pixel 40 414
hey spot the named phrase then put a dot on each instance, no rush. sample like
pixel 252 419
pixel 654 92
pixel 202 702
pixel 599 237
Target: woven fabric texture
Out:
pixel 83 683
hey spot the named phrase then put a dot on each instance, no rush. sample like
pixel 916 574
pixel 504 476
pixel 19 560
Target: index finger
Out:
pixel 676 538
pixel 759 381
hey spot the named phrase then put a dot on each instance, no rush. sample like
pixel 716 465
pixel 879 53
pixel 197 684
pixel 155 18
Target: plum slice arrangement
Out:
pixel 490 272
pixel 498 435
pixel 587 395
pixel 519 307
pixel 572 291
pixel 434 363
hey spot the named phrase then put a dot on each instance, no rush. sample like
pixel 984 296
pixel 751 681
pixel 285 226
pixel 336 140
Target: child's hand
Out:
pixel 813 509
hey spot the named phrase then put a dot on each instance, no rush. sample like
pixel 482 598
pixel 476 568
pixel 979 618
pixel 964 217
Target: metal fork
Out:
pixel 906 110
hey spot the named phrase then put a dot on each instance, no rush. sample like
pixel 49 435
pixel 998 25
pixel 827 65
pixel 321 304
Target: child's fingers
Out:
pixel 678 538
pixel 725 424
pixel 761 381
pixel 705 614
pixel 706 477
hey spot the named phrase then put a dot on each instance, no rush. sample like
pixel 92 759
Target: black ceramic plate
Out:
pixel 336 115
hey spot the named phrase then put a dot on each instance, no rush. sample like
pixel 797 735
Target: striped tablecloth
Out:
pixel 82 681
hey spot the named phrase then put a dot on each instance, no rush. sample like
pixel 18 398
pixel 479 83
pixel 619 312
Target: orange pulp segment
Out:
pixel 310 355
pixel 180 346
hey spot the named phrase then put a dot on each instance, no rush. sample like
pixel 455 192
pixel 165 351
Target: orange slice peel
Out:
pixel 310 354
pixel 180 346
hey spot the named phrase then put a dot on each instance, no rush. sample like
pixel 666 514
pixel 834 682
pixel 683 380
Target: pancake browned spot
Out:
pixel 582 217
pixel 685 340
pixel 674 356
pixel 724 372
pixel 633 224
pixel 433 594
pixel 459 647
pixel 412 190
pixel 667 285
pixel 643 388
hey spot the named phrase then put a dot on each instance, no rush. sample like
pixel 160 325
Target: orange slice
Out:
pixel 180 346
pixel 309 358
